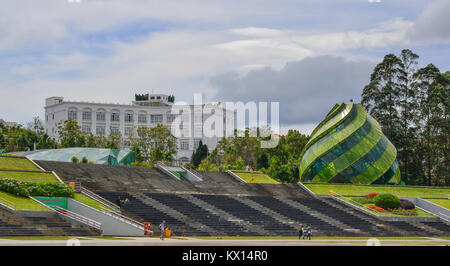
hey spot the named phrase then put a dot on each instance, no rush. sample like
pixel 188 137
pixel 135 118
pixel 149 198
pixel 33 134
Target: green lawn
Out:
pixel 89 202
pixel 358 190
pixel 17 164
pixel 420 213
pixel 441 202
pixel 29 176
pixel 257 177
pixel 20 203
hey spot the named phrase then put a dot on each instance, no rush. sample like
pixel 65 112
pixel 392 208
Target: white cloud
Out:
pixel 433 24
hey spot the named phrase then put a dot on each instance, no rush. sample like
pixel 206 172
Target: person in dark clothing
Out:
pixel 300 233
pixel 119 202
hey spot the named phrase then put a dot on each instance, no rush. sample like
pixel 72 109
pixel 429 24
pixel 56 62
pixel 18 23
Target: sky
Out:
pixel 305 54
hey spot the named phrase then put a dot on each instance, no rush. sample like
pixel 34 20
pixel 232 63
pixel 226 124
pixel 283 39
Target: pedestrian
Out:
pixel 119 202
pixel 162 227
pixel 300 233
pixel 309 232
pixel 126 202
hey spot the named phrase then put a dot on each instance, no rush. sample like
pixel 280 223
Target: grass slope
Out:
pixel 257 177
pixel 29 176
pixel 20 203
pixel 89 202
pixel 441 202
pixel 17 164
pixel 358 190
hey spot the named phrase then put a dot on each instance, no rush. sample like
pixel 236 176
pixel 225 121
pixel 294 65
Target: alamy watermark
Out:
pixel 226 119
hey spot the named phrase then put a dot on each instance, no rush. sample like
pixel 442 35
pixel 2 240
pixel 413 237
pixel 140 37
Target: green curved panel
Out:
pixel 353 155
pixel 349 149
pixel 332 122
pixel 334 137
pixel 378 168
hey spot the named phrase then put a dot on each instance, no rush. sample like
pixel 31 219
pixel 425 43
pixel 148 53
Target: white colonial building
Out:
pixel 189 123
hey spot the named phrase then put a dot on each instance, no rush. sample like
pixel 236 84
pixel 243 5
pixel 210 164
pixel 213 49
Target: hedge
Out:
pixel 26 189
pixel 387 201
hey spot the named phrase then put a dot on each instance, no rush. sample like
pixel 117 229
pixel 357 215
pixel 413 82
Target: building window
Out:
pixel 86 116
pixel 184 145
pixel 127 131
pixel 170 118
pixel 115 130
pixel 100 131
pixel 86 128
pixel 72 115
pixel 142 118
pixel 100 116
pixel 129 117
pixel 156 118
pixel 115 116
pixel 53 116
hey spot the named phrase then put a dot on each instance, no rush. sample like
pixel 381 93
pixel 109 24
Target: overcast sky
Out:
pixel 305 54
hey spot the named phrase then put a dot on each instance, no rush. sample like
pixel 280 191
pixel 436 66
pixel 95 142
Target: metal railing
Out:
pixel 193 171
pixel 122 218
pixel 77 217
pixel 22 207
pixel 100 199
pixel 447 218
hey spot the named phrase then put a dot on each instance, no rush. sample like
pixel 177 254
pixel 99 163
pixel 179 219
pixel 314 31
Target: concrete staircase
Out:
pixel 15 225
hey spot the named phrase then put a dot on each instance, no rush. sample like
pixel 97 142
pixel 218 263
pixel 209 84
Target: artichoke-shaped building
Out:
pixel 349 147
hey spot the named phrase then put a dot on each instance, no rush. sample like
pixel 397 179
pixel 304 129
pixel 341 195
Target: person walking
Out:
pixel 308 232
pixel 300 233
pixel 162 227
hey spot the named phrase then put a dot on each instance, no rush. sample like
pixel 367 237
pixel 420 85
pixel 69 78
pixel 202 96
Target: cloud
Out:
pixel 306 89
pixel 433 23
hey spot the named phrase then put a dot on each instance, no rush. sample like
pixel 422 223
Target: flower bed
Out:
pixel 26 189
pixel 376 208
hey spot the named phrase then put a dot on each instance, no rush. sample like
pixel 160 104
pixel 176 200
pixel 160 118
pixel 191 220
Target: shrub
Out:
pixel 26 189
pixel 84 160
pixel 406 204
pixel 74 159
pixel 371 195
pixel 387 201
pixel 404 212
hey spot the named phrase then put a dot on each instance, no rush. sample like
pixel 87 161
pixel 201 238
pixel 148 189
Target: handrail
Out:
pixel 78 217
pixel 20 207
pixel 193 171
pixel 122 218
pixel 99 198
pixel 447 218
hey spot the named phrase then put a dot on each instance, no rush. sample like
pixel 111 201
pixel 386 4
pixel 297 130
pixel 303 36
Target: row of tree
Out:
pixel 18 138
pixel 236 152
pixel 412 106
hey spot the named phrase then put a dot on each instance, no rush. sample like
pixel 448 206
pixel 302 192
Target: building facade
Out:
pixel 189 123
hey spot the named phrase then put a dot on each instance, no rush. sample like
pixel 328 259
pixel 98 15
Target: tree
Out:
pixel 433 97
pixel 114 140
pixel 199 154
pixel 36 125
pixel 382 95
pixel 70 134
pixel 408 113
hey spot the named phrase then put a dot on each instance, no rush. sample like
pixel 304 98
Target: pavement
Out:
pixel 146 241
